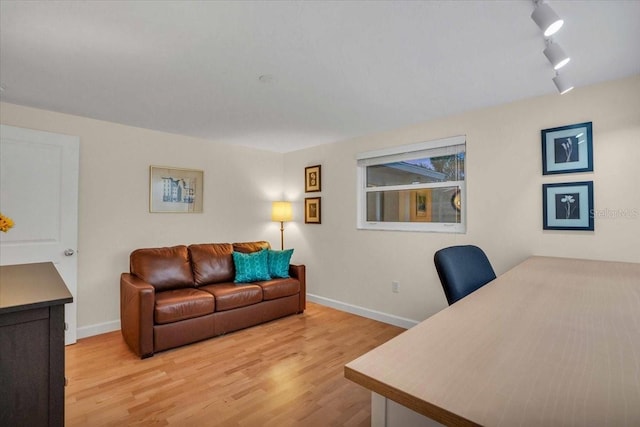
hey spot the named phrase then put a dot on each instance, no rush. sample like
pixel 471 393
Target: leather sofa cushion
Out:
pixel 181 304
pixel 278 288
pixel 248 247
pixel 212 263
pixel 163 268
pixel 229 296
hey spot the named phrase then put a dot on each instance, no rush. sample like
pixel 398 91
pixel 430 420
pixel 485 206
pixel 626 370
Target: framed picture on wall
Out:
pixel 312 210
pixel 567 149
pixel 312 179
pixel 568 206
pixel 175 190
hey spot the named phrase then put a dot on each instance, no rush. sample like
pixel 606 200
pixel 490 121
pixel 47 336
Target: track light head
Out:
pixel 547 19
pixel 556 55
pixel 562 83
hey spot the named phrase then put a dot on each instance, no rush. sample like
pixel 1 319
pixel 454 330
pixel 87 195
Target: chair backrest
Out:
pixel 462 270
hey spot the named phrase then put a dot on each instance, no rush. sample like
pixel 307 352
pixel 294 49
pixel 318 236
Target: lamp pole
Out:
pixel 281 235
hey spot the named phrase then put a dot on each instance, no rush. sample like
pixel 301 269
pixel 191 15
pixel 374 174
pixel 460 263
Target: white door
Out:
pixel 39 191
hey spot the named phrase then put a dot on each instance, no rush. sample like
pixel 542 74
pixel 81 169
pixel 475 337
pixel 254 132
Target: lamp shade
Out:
pixel 548 20
pixel 556 56
pixel 562 83
pixel 281 211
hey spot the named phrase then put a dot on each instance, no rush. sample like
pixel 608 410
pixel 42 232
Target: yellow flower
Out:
pixel 5 223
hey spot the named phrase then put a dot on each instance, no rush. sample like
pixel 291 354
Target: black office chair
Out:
pixel 462 270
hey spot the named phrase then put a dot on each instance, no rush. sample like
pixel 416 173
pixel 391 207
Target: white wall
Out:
pixel 114 218
pixel 504 191
pixel 353 267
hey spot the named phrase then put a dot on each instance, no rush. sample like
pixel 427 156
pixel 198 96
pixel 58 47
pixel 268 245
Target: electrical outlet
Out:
pixel 395 286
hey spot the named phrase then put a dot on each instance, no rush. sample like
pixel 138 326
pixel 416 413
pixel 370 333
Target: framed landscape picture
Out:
pixel 312 210
pixel 568 206
pixel 312 179
pixel 567 149
pixel 175 190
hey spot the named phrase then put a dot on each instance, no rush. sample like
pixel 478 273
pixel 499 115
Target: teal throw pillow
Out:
pixel 279 262
pixel 251 267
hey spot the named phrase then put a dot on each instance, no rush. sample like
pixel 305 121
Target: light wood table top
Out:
pixel 552 342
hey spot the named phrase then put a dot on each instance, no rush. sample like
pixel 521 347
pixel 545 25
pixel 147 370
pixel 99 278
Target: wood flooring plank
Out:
pixel 288 372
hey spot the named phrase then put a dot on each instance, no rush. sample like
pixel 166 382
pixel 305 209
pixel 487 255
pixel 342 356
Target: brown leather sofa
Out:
pixel 179 295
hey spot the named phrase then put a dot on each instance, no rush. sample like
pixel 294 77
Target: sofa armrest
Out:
pixel 299 272
pixel 137 299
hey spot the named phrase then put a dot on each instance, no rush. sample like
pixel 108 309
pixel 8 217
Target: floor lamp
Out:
pixel 281 211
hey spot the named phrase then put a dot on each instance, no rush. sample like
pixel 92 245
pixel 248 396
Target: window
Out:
pixel 417 187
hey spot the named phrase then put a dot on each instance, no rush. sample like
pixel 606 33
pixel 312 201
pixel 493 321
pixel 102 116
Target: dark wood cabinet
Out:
pixel 32 298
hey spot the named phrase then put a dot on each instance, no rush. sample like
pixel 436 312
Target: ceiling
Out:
pixel 285 75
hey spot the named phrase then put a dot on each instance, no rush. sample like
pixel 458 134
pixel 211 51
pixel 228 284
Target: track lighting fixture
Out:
pixel 549 22
pixel 562 83
pixel 545 17
pixel 556 55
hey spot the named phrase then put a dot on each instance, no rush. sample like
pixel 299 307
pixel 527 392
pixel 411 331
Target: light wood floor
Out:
pixel 288 372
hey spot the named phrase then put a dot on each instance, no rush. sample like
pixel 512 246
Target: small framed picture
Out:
pixel 312 210
pixel 568 206
pixel 567 149
pixel 421 203
pixel 175 190
pixel 312 179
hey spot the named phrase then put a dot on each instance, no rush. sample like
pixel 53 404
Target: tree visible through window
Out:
pixel 418 187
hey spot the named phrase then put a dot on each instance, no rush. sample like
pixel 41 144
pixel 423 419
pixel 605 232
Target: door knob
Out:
pixel 68 252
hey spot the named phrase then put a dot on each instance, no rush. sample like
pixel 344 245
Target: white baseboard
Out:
pixel 364 312
pixel 97 329
pixel 114 325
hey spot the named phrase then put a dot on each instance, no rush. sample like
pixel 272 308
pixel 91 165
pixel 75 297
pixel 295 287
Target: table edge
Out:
pixel 412 402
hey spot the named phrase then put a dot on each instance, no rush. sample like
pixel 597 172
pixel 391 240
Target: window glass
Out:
pixel 419 187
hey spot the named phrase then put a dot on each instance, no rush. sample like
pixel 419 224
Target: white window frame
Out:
pixel 410 151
